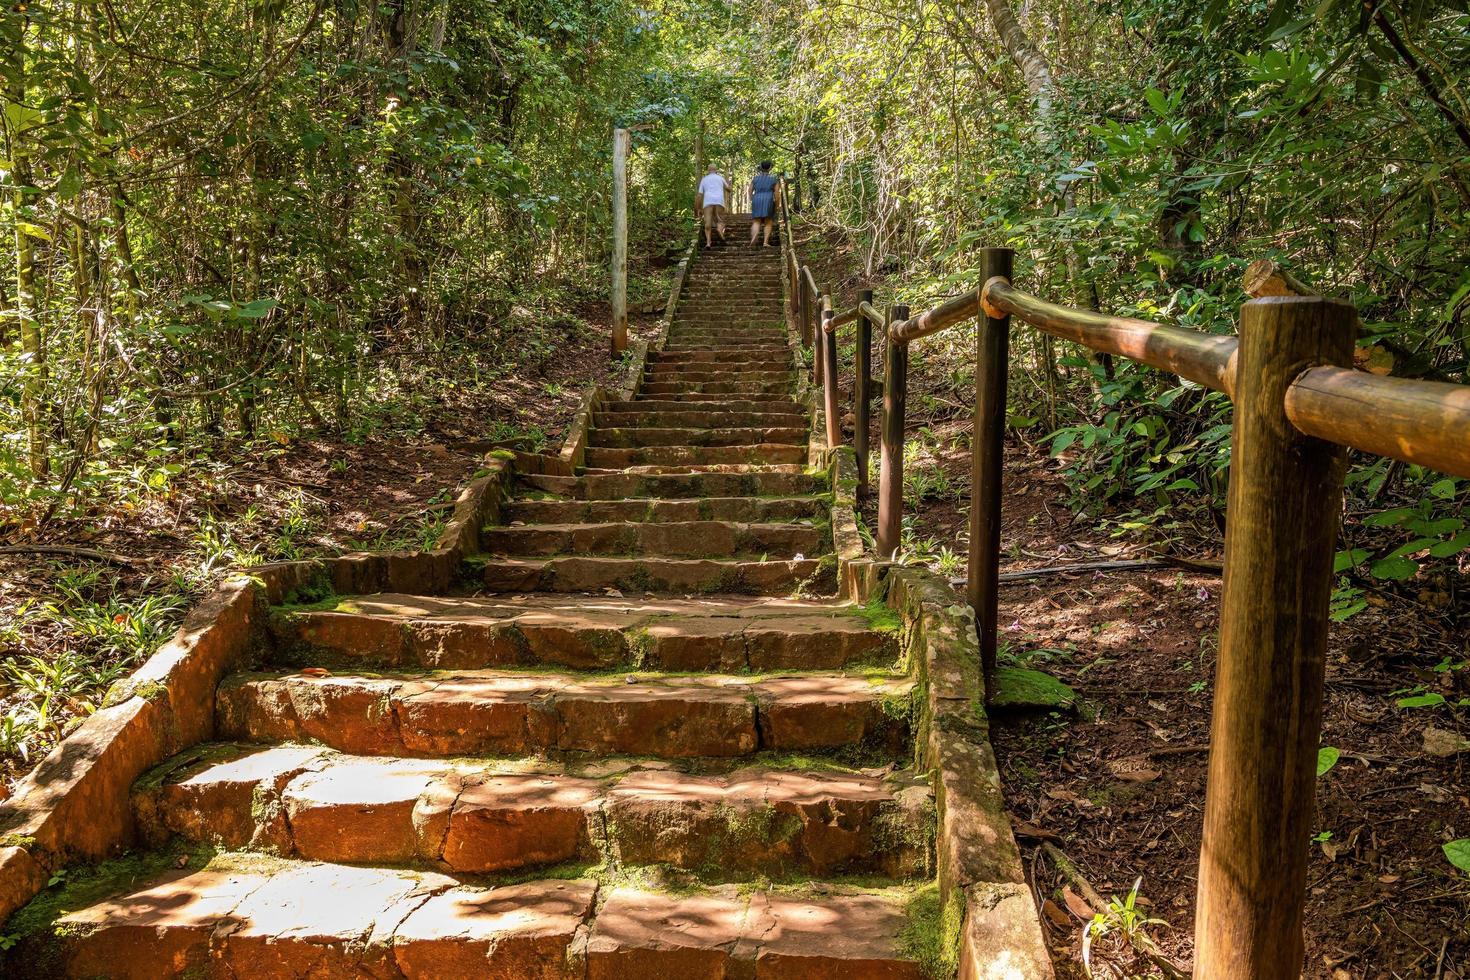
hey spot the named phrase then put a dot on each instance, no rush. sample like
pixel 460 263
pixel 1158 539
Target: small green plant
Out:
pixel 1123 920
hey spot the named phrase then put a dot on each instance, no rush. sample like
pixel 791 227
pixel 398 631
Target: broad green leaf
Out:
pixel 1444 489
pixel 1347 559
pixel 1394 569
pixel 1327 757
pixel 1457 852
pixel 1430 700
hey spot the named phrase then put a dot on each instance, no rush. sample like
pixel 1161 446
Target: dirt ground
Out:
pixel 319 495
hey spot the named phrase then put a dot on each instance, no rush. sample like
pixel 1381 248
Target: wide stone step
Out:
pixel 728 348
pixel 680 576
pixel 677 486
pixel 601 458
pixel 481 818
pixel 705 374
pixel 720 933
pixel 666 468
pixel 743 389
pixel 758 510
pixel 778 359
pixel 753 402
pixel 725 635
pixel 765 406
pixel 478 713
pixel 680 418
pixel 618 437
pixel 683 539
pixel 247 916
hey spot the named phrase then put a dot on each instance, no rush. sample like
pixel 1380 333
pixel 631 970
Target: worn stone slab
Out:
pixel 518 932
pixel 1001 938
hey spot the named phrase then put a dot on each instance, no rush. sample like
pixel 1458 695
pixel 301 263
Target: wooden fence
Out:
pixel 1298 403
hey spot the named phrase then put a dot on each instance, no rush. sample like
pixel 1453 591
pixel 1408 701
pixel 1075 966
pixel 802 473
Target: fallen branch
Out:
pixel 1138 565
pixel 66 551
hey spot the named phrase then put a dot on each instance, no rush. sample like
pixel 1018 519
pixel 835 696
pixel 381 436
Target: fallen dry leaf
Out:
pixel 1054 912
pixel 1442 744
pixel 1077 904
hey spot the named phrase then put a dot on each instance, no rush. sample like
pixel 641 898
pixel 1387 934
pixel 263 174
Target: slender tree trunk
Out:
pixel 27 311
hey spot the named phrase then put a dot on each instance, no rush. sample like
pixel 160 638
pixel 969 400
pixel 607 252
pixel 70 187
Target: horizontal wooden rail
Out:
pixel 844 318
pixel 867 309
pixel 942 317
pixel 1207 359
pixel 1424 422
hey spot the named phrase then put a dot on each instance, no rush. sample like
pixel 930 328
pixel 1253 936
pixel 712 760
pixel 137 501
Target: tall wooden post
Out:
pixel 803 310
pixel 890 473
pixel 817 357
pixel 829 374
pixel 862 367
pixel 622 141
pixel 987 460
pixel 1284 509
pixel 699 162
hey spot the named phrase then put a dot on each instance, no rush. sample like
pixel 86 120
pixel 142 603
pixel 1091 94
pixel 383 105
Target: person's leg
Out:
pixel 755 229
pixel 769 223
pixel 709 223
pixel 720 221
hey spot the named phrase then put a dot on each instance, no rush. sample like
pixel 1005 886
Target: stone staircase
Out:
pixel 641 742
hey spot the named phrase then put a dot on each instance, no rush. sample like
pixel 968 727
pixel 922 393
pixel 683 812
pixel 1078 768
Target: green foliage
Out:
pixel 1327 757
pixel 1457 852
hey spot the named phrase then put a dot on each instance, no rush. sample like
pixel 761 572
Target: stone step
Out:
pixel 784 406
pixel 684 399
pixel 780 359
pixel 720 933
pixel 666 468
pixel 678 486
pixel 682 539
pixel 482 818
pixel 725 635
pixel 680 576
pixel 704 374
pixel 493 713
pixel 245 916
pixel 679 418
pixel 729 347
pixel 642 437
pixel 601 458
pixel 749 509
pixel 740 388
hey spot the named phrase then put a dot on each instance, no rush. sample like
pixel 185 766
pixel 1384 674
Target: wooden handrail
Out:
pixel 853 313
pixel 811 283
pixel 844 318
pixel 1423 422
pixel 1207 359
pixel 942 317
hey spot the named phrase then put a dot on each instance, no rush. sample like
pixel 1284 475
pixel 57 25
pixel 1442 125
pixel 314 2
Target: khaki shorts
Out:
pixel 714 214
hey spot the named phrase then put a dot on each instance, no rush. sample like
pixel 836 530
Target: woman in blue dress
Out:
pixel 764 188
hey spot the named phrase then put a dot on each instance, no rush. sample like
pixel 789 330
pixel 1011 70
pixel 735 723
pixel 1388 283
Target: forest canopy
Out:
pixel 234 222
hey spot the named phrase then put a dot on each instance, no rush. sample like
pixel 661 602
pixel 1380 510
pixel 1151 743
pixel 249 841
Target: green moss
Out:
pixel 640 646
pixel 23 841
pixel 881 617
pixel 506 455
pixel 86 885
pixel 931 936
pixel 296 603
pixel 1016 687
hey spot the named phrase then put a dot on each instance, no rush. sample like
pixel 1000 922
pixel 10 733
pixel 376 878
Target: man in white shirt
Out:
pixel 710 199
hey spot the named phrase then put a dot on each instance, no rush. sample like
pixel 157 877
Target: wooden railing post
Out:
pixel 803 314
pixel 1281 529
pixel 828 347
pixel 890 473
pixel 862 366
pixel 987 455
pixel 816 338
